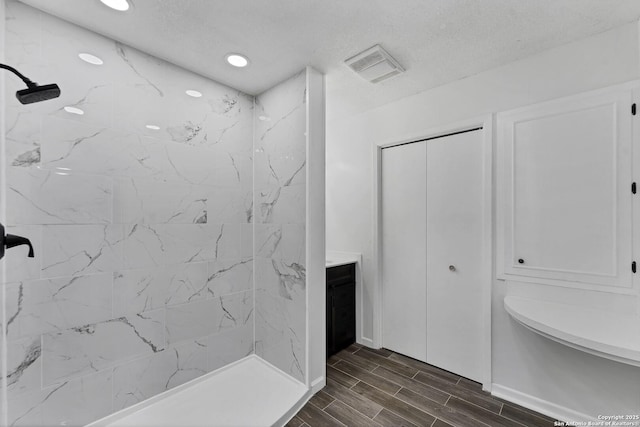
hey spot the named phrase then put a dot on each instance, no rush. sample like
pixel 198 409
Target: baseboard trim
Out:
pixel 367 342
pixel 545 407
pixel 318 384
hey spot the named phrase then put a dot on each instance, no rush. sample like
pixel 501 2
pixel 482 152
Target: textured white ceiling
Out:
pixel 437 41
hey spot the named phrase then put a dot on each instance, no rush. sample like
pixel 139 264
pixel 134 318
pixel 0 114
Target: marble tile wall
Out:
pixel 279 200
pixel 143 275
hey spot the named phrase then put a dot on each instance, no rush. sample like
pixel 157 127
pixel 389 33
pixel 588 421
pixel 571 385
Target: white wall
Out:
pixel 521 360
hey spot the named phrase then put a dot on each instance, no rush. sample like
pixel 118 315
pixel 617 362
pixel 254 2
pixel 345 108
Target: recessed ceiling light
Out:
pixel 91 59
pixel 193 93
pixel 74 110
pixel 120 5
pixel 237 60
pixel 153 127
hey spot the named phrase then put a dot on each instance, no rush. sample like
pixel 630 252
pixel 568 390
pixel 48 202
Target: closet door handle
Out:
pixel 452 268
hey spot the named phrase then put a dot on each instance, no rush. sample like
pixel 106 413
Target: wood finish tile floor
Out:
pixel 380 388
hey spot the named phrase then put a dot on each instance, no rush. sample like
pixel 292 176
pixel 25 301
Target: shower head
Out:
pixel 33 92
pixel 37 93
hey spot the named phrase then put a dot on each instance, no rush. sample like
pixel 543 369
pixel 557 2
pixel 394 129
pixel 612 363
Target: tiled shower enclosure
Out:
pixel 169 230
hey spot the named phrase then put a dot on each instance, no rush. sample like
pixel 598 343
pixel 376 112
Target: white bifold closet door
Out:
pixel 404 249
pixel 432 242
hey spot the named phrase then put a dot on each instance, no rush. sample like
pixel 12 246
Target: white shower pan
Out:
pixel 247 393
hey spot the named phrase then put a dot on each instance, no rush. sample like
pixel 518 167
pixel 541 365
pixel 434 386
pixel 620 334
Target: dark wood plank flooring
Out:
pixel 380 388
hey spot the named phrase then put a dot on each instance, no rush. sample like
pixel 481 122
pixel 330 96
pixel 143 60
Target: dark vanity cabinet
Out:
pixel 341 307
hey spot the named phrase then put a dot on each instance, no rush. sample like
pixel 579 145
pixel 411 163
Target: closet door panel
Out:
pixel 455 253
pixel 404 249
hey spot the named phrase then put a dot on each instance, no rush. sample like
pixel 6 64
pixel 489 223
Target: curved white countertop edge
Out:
pixel 623 354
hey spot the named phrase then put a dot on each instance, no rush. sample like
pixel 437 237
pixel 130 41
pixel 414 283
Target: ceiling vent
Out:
pixel 374 64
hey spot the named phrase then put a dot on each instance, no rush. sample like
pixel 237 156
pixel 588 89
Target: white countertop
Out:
pixel 599 332
pixel 334 259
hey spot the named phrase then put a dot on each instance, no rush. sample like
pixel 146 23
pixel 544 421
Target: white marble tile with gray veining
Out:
pixel 281 333
pixel 281 205
pixel 144 378
pixel 70 250
pixel 186 164
pixel 23 38
pixel 229 276
pixel 272 168
pixel 73 403
pixel 281 241
pixel 193 243
pixel 140 290
pixel 230 345
pixel 287 280
pixel 47 305
pixel 84 148
pixel 235 310
pixel 36 196
pixel 230 205
pixel 202 318
pixel 144 246
pixel 94 99
pixel 281 122
pixel 150 89
pixel 165 244
pixel 246 240
pixel 23 138
pixel 79 401
pixel 232 169
pixel 157 245
pixel 24 364
pixel 97 346
pixel 144 201
pixel 192 320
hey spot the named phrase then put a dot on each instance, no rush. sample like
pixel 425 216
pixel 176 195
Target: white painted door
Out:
pixel 454 241
pixel 404 249
pixel 564 191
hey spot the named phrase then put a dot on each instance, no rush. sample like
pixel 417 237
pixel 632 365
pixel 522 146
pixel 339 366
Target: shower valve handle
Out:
pixel 9 241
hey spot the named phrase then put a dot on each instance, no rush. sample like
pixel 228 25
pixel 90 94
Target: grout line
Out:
pixel 378 413
pixel 481 407
pixel 484 409
pixel 370 385
pixel 328 414
pixel 414 406
pixel 356 410
pixel 518 422
pixel 443 391
pixel 403 401
pixel 394 395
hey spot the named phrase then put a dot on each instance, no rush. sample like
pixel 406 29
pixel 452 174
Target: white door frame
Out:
pixel 486 122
